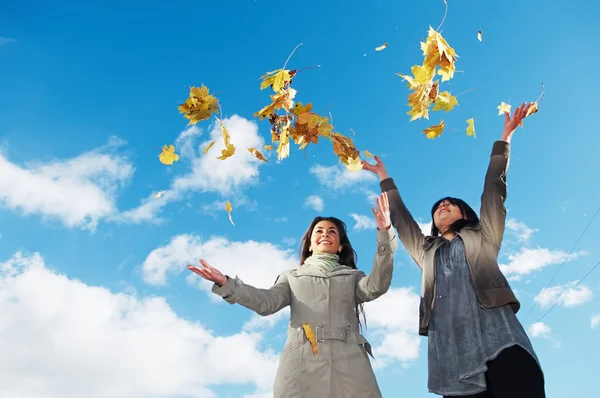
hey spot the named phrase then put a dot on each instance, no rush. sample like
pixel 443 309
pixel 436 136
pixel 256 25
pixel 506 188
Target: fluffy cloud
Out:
pixel 208 174
pixel 521 231
pixel 394 318
pixel 79 191
pixel 363 222
pixel 540 329
pixel 528 260
pixel 595 321
pixel 62 338
pixel 315 202
pixel 6 40
pixel 575 296
pixel 256 263
pixel 338 177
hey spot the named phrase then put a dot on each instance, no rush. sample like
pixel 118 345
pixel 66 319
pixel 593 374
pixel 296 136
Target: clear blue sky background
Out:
pixel 74 74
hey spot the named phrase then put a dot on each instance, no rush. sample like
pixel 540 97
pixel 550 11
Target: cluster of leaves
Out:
pixel 296 122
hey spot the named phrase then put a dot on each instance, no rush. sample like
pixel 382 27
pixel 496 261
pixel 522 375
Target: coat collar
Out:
pixel 437 240
pixel 304 270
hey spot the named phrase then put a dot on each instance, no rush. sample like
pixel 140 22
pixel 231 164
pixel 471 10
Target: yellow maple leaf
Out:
pixel 228 209
pixel 445 101
pixel 354 164
pixel 283 150
pixel 199 106
pixel 257 153
pixel 368 154
pixel 479 36
pixel 229 149
pixel 381 47
pixel 268 147
pixel 284 99
pixel 159 194
pixel 168 155
pixel 437 53
pixel 310 336
pixel 276 79
pixel 503 108
pixel 532 109
pixel 471 128
pixel 207 148
pixel 434 131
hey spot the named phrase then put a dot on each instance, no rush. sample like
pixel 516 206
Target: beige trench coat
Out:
pixel 341 368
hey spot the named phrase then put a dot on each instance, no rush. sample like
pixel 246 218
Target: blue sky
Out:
pixel 94 297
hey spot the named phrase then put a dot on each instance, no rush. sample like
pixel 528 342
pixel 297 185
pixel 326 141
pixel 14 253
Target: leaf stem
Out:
pixel 290 56
pixel 466 91
pixel 541 97
pixel 307 67
pixel 443 19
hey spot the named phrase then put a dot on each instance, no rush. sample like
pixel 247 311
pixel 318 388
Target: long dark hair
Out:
pixel 348 256
pixel 469 219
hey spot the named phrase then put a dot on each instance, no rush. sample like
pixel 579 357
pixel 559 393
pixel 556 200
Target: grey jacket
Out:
pixel 482 242
pixel 341 368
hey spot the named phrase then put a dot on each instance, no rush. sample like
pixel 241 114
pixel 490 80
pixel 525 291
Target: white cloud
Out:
pixel 289 241
pixel 62 338
pixel 395 319
pixel 425 227
pixel 595 321
pixel 528 260
pixel 314 202
pixel 256 263
pixel 6 40
pixel 549 296
pixel 363 222
pixel 209 174
pixel 338 177
pixel 184 144
pixel 259 322
pixel 79 191
pixel 540 329
pixel 521 231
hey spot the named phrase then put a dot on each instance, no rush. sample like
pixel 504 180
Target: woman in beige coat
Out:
pixel 326 292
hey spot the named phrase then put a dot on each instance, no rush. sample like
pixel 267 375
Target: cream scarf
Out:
pixel 323 261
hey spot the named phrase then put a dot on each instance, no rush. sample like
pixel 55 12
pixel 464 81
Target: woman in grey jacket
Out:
pixel 325 355
pixel 476 345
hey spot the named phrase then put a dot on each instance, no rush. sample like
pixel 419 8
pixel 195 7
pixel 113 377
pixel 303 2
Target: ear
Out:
pixel 340 249
pixel 310 249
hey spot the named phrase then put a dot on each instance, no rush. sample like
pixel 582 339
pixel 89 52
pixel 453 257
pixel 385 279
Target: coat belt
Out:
pixel 324 333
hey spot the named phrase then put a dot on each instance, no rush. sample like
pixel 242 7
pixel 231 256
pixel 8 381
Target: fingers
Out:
pixel 374 213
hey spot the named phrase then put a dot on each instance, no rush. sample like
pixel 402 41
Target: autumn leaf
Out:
pixel 434 131
pixel 503 108
pixel 310 336
pixel 159 194
pixel 354 164
pixel 437 53
pixel 367 154
pixel 257 153
pixel 479 36
pixel 207 148
pixel 381 47
pixel 228 209
pixel 283 150
pixel 268 147
pixel 281 100
pixel 277 79
pixel 471 128
pixel 168 155
pixel 199 106
pixel 445 101
pixel 229 149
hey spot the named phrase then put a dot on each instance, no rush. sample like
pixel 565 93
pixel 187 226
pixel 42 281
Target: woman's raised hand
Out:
pixel 511 123
pixel 209 273
pixel 377 168
pixel 382 213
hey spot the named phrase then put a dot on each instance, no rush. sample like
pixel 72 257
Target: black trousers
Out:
pixel 513 374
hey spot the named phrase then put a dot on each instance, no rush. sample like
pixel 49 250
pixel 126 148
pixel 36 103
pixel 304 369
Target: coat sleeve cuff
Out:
pixel 387 185
pixel 226 291
pixel 499 148
pixel 386 235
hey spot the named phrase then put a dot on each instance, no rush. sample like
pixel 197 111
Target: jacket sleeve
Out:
pixel 371 286
pixel 493 212
pixel 409 231
pixel 262 301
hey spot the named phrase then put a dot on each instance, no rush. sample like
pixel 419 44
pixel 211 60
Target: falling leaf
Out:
pixel 471 128
pixel 282 100
pixel 168 155
pixel 503 108
pixel 534 108
pixel 367 154
pixel 434 131
pixel 310 336
pixel 268 147
pixel 257 153
pixel 437 53
pixel 228 209
pixel 283 150
pixel 159 194
pixel 229 149
pixel 354 164
pixel 199 106
pixel 207 148
pixel 479 36
pixel 381 47
pixel 445 101
pixel 277 79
